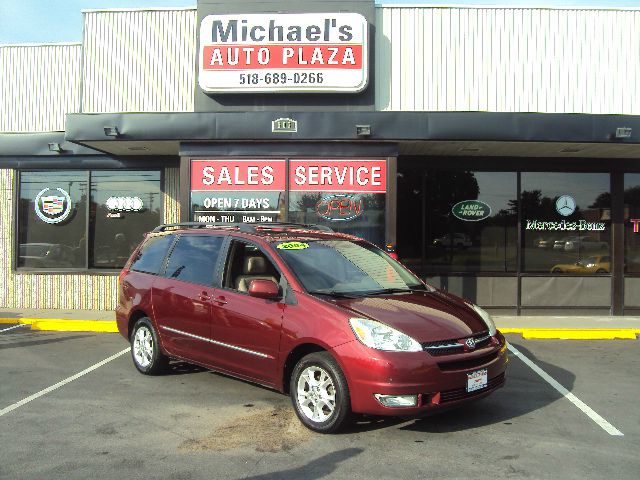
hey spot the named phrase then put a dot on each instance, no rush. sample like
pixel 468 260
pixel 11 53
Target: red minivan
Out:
pixel 326 317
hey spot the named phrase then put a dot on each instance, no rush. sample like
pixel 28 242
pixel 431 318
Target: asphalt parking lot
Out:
pixel 112 422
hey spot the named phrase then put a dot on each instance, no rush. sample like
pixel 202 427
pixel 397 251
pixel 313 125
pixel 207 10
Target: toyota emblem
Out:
pixel 470 342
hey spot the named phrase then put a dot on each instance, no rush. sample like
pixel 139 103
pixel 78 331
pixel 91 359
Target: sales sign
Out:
pixel 307 52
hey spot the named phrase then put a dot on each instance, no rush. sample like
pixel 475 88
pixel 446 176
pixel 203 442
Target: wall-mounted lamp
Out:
pixel 363 130
pixel 111 131
pixel 55 147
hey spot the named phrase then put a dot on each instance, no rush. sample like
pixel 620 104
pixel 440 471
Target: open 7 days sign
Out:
pixel 307 52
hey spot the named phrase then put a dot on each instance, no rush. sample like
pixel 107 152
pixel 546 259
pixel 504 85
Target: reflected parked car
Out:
pixel 46 255
pixel 559 243
pixel 584 243
pixel 458 240
pixel 596 264
pixel 546 243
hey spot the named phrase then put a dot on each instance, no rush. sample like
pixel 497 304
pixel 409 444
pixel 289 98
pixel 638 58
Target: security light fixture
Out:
pixel 111 131
pixel 363 130
pixel 55 147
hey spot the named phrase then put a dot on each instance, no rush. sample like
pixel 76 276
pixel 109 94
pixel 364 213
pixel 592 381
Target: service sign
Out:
pixel 307 52
pixel 339 176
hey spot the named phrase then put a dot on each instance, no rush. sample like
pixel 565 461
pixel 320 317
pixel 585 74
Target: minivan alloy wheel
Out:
pixel 316 394
pixel 143 346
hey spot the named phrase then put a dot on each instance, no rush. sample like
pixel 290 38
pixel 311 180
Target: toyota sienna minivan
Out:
pixel 327 318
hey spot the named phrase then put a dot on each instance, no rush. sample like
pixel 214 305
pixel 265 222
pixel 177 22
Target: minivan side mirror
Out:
pixel 263 288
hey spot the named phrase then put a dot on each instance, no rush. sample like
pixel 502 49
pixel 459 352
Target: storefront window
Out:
pixel 225 191
pixel 457 221
pixel 632 222
pixel 124 206
pixel 566 220
pixel 52 221
pixel 53 211
pixel 347 195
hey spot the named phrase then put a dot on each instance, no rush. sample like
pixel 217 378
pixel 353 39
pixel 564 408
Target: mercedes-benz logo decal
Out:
pixel 470 342
pixel 565 205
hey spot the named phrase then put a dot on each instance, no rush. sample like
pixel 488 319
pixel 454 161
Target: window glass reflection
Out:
pixel 360 214
pixel 566 223
pixel 124 206
pixel 632 222
pixel 457 221
pixel 52 220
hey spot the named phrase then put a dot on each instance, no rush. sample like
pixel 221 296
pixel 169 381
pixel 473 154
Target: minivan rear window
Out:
pixel 151 256
pixel 194 259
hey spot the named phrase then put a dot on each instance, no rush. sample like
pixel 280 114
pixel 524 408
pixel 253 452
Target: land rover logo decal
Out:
pixel 471 210
pixel 52 205
pixel 565 205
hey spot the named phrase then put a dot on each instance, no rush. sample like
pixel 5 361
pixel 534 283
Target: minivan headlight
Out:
pixel 382 337
pixel 486 318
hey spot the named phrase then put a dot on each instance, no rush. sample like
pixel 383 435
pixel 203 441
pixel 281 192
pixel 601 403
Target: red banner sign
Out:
pixel 234 175
pixel 341 176
pixel 262 175
pixel 248 57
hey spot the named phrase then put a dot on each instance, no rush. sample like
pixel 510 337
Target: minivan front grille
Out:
pixel 450 347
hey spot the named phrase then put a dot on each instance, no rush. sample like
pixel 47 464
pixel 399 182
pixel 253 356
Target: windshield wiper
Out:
pixel 333 293
pixel 389 290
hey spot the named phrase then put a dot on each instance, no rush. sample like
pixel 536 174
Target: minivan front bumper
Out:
pixel 437 382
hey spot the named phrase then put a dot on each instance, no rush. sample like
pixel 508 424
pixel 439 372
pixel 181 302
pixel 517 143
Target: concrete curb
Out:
pixel 575 333
pixel 64 325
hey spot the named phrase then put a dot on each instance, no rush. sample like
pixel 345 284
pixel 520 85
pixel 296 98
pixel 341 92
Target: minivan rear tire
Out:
pixel 325 406
pixel 145 348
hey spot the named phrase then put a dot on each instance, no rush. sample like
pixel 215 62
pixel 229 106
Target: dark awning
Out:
pixel 162 133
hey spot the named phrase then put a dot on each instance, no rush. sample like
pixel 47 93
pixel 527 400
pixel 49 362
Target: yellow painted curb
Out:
pixel 74 325
pixel 16 321
pixel 575 333
pixel 61 325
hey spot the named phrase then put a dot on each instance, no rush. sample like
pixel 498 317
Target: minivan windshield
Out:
pixel 343 268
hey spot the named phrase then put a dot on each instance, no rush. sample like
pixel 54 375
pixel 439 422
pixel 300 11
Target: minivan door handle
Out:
pixel 203 296
pixel 220 300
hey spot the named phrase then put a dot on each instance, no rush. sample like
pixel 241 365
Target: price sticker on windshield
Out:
pixel 292 246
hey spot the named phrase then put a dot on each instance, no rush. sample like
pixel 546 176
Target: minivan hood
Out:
pixel 425 316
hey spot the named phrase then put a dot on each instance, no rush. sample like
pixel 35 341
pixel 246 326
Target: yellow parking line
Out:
pixel 575 333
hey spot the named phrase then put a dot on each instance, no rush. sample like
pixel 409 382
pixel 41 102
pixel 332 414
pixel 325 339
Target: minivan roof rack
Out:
pixel 244 227
pixel 305 226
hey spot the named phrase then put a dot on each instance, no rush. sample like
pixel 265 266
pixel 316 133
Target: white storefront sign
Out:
pixel 307 52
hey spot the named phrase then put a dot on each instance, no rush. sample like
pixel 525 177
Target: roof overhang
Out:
pixel 416 133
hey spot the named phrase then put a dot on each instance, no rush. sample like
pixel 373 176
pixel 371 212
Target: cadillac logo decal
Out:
pixel 470 343
pixel 52 205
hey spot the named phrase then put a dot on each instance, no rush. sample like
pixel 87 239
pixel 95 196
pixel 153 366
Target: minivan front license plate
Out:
pixel 476 380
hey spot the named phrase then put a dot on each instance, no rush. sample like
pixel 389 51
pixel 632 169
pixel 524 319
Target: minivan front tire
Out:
pixel 145 348
pixel 320 394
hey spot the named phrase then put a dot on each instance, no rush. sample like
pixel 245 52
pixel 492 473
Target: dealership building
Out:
pixel 496 148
